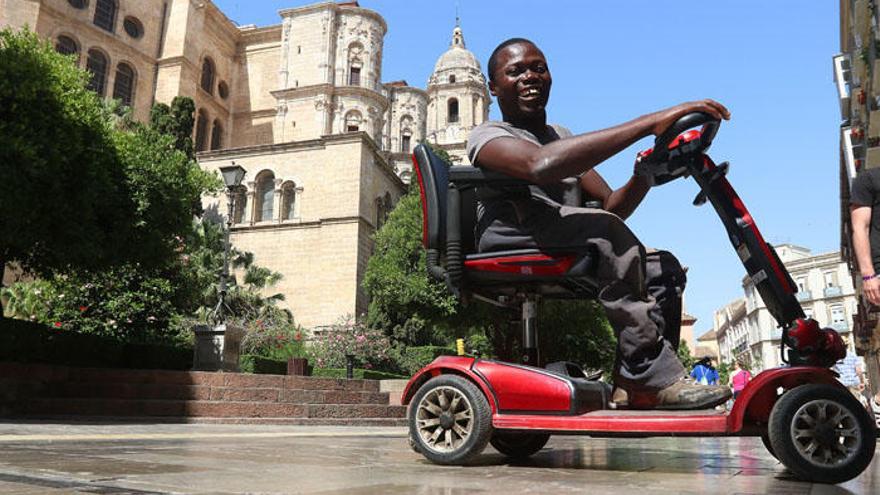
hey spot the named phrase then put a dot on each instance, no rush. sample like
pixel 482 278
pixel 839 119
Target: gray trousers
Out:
pixel 640 291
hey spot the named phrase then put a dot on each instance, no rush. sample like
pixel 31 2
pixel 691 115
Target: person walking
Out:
pixel 739 377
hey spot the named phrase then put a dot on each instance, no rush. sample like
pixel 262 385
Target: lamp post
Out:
pixel 232 177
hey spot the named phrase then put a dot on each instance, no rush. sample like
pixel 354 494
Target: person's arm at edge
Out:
pixel 860 216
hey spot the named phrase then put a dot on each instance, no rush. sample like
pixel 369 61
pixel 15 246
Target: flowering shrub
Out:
pixel 273 337
pixel 369 346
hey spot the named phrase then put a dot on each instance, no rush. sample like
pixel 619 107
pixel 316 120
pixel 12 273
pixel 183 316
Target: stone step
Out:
pixel 60 374
pixel 399 422
pixel 211 393
pixel 204 408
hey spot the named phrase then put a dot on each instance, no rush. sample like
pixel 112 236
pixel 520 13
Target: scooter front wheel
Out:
pixel 822 433
pixel 450 420
pixel 518 445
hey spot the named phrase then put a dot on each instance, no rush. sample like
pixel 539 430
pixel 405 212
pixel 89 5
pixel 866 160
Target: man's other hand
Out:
pixel 871 288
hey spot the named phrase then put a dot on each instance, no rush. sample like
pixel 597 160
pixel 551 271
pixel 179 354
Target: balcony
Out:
pixel 843 79
pixel 840 326
pixel 833 291
pixel 804 295
pixel 851 152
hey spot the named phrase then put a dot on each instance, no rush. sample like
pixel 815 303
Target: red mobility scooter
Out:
pixel 457 405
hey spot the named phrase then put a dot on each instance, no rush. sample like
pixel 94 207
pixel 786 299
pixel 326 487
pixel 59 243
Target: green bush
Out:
pixel 28 342
pixel 358 373
pixel 415 358
pixel 250 363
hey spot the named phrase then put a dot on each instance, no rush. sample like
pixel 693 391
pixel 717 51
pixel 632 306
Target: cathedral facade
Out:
pixel 301 105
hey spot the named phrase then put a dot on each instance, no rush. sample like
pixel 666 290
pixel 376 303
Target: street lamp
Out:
pixel 232 177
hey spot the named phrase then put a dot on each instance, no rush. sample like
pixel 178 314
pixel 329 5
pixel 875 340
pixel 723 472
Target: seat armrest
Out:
pixel 466 174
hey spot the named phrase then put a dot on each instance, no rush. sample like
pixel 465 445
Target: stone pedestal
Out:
pixel 218 348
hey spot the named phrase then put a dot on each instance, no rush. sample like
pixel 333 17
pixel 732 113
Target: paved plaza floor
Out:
pixel 53 458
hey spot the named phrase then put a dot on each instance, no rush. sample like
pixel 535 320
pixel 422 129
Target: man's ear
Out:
pixel 492 88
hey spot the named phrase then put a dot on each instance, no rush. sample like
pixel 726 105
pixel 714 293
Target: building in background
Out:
pixel 301 105
pixel 746 330
pixel 707 345
pixel 857 81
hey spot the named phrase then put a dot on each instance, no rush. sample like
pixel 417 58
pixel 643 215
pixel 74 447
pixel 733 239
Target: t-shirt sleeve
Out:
pixel 863 192
pixel 482 134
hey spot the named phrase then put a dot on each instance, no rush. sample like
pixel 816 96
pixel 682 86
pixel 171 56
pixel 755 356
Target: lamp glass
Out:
pixel 232 175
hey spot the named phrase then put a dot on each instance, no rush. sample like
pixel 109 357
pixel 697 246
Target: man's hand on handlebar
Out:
pixel 665 118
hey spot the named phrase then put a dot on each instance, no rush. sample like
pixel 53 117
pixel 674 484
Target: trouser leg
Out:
pixel 665 280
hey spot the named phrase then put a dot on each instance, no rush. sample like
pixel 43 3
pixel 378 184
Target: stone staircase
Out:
pixel 40 391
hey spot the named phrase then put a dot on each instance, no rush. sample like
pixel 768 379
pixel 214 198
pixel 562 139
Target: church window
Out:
pixel 452 79
pixel 66 46
pixel 405 143
pixel 452 110
pixel 207 81
pixel 354 64
pixel 353 121
pixel 97 65
pixel 265 197
pixel 201 130
pixel 216 135
pixel 123 88
pixel 223 89
pixel 133 27
pixel 354 77
pixel 105 14
pixel 77 4
pixel 288 201
pixel 240 196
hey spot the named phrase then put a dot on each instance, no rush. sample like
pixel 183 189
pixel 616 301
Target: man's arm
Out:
pixel 860 216
pixel 622 201
pixel 570 157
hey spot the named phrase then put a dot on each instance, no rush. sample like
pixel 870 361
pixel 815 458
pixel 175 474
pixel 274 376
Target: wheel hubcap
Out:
pixel 444 419
pixel 825 433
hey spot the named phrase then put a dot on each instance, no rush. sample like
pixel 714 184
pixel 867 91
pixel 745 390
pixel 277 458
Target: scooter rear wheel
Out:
pixel 518 445
pixel 450 420
pixel 822 433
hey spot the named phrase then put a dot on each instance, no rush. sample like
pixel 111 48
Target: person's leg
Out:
pixel 666 281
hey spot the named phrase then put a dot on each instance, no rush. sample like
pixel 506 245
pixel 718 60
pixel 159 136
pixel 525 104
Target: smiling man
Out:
pixel 641 292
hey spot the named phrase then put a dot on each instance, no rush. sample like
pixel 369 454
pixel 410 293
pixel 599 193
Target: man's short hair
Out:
pixel 493 59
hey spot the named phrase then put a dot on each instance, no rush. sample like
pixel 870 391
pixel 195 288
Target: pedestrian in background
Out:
pixel 739 377
pixel 704 373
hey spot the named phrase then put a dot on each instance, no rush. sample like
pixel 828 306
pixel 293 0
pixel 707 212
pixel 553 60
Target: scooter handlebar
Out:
pixel 710 128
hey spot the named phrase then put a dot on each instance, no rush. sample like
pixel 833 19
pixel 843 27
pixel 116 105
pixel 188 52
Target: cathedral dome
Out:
pixel 457 61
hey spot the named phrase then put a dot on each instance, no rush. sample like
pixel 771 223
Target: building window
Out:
pixel 802 284
pixel 288 201
pixel 77 4
pixel 133 27
pixel 201 130
pixel 830 279
pixel 353 121
pixel 66 46
pixel 240 196
pixel 265 198
pixel 808 312
pixel 452 110
pixel 405 143
pixel 216 135
pixel 223 89
pixel 123 88
pixel 838 317
pixel 207 81
pixel 452 79
pixel 354 76
pixel 105 14
pixel 97 65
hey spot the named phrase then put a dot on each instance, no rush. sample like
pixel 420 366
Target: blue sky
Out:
pixel 768 62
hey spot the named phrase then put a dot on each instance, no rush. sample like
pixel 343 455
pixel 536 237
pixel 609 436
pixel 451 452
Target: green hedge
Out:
pixel 251 363
pixel 413 359
pixel 27 342
pixel 358 373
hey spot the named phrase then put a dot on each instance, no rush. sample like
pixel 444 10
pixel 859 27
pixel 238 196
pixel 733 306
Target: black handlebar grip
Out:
pixel 710 128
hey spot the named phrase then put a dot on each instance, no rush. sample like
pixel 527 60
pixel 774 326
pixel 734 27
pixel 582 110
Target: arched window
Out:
pixel 451 78
pixel 201 130
pixel 216 135
pixel 77 4
pixel 105 14
pixel 353 121
pixel 265 198
pixel 66 46
pixel 97 64
pixel 240 198
pixel 354 64
pixel 406 125
pixel 452 110
pixel 207 81
pixel 288 201
pixel 123 88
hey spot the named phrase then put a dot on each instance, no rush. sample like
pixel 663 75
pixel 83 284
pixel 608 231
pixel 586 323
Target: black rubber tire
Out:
pixel 481 429
pixel 518 445
pixel 765 439
pixel 783 443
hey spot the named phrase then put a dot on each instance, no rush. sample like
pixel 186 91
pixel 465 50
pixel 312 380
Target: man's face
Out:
pixel 521 82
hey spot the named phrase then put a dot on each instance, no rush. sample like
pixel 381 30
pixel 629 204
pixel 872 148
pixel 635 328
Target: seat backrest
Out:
pixel 433 176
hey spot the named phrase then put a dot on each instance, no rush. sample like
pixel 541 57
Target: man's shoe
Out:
pixel 685 393
pixel 619 398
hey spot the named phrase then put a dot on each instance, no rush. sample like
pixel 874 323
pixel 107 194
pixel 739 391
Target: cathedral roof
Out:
pixel 457 57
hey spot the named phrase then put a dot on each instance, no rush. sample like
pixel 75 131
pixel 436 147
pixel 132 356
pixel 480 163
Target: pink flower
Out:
pixel 83 308
pixel 360 339
pixel 57 324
